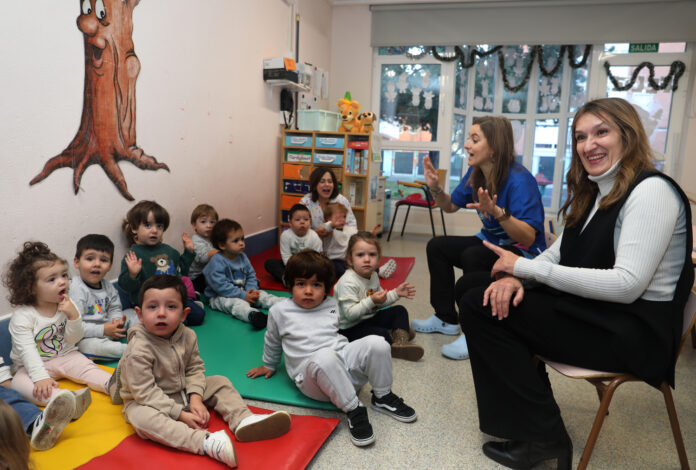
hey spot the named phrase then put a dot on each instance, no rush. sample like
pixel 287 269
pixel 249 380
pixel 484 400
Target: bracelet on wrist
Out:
pixel 438 192
pixel 504 217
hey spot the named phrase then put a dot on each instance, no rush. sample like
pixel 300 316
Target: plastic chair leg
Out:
pixel 408 209
pixel 444 229
pixel 432 223
pixel 391 227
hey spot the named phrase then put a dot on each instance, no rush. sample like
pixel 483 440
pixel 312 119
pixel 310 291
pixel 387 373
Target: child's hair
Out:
pixel 164 281
pixel 218 236
pixel 307 263
pixel 14 445
pixel 137 216
pixel 203 210
pixel 20 276
pixel 297 208
pixel 366 237
pixel 95 241
pixel 334 208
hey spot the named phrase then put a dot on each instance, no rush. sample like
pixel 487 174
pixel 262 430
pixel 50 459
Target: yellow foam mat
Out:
pixel 100 429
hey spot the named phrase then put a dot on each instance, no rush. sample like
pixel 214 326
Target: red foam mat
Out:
pixel 266 281
pixel 294 450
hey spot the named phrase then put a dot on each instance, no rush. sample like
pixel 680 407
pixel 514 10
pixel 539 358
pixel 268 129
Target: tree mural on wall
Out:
pixel 107 128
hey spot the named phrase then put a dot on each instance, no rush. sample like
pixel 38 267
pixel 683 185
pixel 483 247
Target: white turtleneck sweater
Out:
pixel 649 239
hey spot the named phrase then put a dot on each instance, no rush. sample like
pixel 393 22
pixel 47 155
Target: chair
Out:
pixel 417 200
pixel 605 391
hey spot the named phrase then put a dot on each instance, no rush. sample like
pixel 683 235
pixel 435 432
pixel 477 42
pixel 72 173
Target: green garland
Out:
pixel 676 70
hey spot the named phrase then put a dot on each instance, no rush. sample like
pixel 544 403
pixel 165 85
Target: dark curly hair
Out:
pixel 20 276
pixel 306 264
pixel 137 215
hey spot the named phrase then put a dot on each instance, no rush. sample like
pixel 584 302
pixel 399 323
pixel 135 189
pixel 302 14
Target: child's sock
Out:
pixel 387 269
pixel 258 319
pixel 48 426
pixel 83 398
pixel 218 445
pixel 262 426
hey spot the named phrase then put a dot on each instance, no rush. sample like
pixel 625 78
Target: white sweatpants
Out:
pixel 336 376
pixel 240 308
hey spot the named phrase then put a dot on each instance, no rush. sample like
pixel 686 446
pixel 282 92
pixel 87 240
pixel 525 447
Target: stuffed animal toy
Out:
pixel 366 121
pixel 349 114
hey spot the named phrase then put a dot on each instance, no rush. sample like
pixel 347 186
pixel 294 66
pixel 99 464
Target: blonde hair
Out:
pixel 334 208
pixel 363 236
pixel 14 445
pixel 637 156
pixel 203 210
pixel 498 133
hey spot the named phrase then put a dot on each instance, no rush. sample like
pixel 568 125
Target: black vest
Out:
pixel 649 331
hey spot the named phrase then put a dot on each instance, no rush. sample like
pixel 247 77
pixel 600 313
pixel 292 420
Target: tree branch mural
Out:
pixel 107 128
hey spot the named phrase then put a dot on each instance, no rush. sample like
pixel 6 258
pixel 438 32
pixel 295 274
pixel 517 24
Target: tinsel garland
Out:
pixel 537 51
pixel 676 70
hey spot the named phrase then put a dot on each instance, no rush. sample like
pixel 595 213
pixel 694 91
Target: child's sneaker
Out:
pixel 387 269
pixel 262 426
pixel 258 319
pixel 83 398
pixel 218 445
pixel 392 405
pixel 113 388
pixel 52 420
pixel 360 428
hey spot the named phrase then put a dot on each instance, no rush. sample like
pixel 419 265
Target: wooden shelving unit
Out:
pixel 348 155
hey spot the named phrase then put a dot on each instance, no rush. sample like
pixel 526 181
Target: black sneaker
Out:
pixel 360 428
pixel 395 407
pixel 258 319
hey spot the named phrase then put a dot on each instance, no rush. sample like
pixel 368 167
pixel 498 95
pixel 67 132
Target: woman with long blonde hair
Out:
pixel 609 294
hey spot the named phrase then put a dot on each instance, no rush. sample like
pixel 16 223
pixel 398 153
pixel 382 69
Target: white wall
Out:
pixel 202 108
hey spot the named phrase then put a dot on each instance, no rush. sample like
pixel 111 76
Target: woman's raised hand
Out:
pixel 506 260
pixel 430 174
pixel 486 204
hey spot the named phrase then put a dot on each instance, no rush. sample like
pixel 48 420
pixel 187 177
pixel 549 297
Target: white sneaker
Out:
pixel 387 269
pixel 260 427
pixel 83 398
pixel 218 445
pixel 50 423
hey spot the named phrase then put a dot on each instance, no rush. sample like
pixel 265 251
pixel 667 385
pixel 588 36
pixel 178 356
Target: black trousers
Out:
pixel 514 400
pixel 388 318
pixel 466 253
pixel 276 268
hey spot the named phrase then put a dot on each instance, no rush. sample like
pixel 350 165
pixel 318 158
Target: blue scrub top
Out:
pixel 520 195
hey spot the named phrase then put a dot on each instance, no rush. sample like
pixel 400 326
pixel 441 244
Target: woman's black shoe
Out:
pixel 524 455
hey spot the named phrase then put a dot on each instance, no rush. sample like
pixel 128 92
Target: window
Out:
pixel 541 111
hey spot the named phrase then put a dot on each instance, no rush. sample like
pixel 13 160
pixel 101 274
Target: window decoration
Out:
pixel 676 70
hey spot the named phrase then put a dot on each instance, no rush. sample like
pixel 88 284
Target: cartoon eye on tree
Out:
pixel 107 128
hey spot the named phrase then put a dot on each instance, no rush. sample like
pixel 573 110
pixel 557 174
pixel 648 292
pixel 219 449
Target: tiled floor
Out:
pixel 636 434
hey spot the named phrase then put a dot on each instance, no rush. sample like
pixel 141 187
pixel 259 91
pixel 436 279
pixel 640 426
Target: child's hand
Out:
pixel 6 383
pixel 134 264
pixel 406 290
pixel 212 253
pixel 116 328
pixel 379 297
pixel 375 230
pixel 252 296
pixel 260 371
pixel 198 408
pixel 191 420
pixel 44 388
pixel 188 243
pixel 68 308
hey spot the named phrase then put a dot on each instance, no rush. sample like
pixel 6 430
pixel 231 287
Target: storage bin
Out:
pixel 298 140
pixel 298 156
pixel 296 186
pixel 328 158
pixel 286 202
pixel 328 142
pixel 300 172
pixel 318 120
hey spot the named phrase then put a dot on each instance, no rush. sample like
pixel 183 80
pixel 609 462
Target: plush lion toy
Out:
pixel 366 122
pixel 349 114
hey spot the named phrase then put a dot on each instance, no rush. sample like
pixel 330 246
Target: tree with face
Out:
pixel 107 128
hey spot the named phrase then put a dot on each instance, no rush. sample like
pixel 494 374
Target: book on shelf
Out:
pixel 352 193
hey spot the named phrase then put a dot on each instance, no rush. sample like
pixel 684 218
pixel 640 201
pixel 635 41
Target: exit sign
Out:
pixel 643 47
